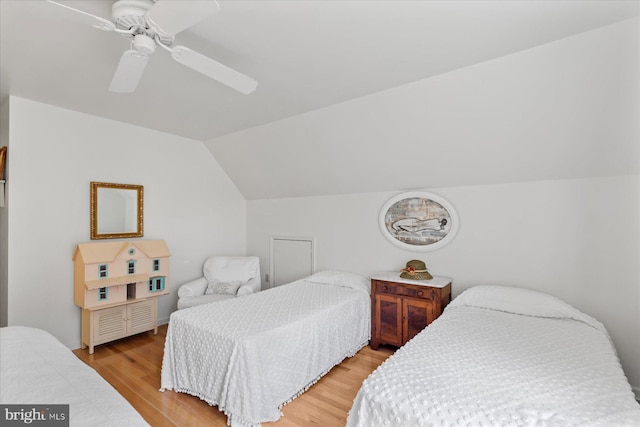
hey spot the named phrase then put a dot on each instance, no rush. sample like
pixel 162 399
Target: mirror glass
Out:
pixel 116 210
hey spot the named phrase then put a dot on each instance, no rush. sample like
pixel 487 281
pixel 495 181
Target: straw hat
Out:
pixel 416 270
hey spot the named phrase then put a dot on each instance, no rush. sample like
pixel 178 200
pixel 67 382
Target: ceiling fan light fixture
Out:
pixel 144 44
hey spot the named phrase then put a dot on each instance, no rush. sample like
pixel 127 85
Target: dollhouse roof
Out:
pixel 105 252
pixel 153 248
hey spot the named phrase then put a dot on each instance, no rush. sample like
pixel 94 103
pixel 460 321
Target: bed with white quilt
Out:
pixel 253 354
pixel 501 356
pixel 37 369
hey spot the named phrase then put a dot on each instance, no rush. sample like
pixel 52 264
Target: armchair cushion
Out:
pixel 217 287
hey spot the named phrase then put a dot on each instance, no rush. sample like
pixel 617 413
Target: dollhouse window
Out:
pixel 103 271
pixel 103 293
pixel 156 284
pixel 155 265
pixel 131 267
pixel 132 251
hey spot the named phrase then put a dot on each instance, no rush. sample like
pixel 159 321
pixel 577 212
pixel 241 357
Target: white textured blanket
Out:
pixel 501 356
pixel 251 355
pixel 36 368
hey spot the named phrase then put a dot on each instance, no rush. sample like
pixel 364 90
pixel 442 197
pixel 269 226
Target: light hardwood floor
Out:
pixel 132 365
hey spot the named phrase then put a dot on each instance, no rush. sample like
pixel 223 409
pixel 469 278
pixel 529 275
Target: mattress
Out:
pixel 501 356
pixel 36 368
pixel 251 355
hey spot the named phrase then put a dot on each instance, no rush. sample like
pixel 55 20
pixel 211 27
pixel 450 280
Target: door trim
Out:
pixel 273 239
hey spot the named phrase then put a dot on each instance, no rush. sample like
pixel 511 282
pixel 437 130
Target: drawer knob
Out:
pixel 385 288
pixel 420 293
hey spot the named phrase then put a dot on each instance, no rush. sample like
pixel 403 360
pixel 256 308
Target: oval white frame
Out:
pixel 422 195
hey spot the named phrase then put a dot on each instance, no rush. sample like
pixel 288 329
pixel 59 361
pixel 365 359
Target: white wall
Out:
pixel 576 239
pixel 567 109
pixel 188 201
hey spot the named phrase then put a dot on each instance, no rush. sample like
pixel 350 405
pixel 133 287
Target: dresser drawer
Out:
pixel 426 293
pixel 413 291
pixel 387 288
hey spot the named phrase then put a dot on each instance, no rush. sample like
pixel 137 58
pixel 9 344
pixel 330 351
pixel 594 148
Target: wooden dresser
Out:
pixel 400 308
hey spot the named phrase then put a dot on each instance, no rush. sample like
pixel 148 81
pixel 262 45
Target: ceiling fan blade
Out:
pixel 130 69
pixel 214 69
pixel 175 16
pixel 93 20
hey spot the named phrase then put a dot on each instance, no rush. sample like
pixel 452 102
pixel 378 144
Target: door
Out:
pixel 291 259
pixel 417 314
pixel 389 319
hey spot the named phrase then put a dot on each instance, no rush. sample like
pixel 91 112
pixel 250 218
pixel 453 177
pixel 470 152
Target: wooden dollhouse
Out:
pixel 117 284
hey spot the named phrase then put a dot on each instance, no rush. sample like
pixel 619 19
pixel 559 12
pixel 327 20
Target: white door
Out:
pixel 291 259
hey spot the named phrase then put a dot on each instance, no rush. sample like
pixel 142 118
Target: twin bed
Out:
pixel 37 369
pixel 501 356
pixel 251 355
pixel 496 356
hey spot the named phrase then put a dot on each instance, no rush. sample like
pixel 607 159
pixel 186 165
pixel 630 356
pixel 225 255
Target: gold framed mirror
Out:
pixel 117 210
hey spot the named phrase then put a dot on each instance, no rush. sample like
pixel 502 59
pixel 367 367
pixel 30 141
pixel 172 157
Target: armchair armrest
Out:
pixel 253 285
pixel 194 288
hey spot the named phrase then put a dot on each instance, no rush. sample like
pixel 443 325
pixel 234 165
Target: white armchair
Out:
pixel 224 277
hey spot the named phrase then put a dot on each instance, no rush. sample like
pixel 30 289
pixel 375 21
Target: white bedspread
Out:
pixel 251 355
pixel 501 356
pixel 36 368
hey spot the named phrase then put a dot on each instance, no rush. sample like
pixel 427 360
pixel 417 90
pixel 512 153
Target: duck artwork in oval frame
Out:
pixel 418 221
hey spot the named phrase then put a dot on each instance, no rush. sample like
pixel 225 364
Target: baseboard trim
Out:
pixel 163 321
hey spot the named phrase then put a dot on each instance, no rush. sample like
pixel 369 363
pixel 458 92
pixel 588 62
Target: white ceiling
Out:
pixel 305 54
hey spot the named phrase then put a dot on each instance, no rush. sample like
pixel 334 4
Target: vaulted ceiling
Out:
pixel 306 56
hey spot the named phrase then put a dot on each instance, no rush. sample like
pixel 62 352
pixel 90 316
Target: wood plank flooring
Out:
pixel 132 365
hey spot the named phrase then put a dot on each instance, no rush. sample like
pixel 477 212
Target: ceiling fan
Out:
pixel 153 23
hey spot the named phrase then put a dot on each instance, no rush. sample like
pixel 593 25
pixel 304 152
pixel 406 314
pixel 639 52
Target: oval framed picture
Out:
pixel 418 221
